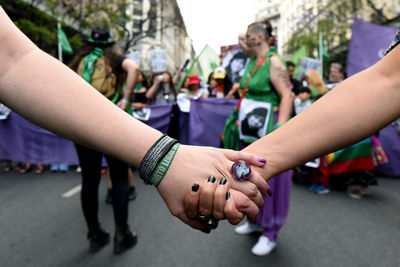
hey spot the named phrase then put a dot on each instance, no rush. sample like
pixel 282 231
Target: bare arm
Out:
pixel 354 110
pixel 281 82
pixel 153 89
pixel 48 93
pixel 132 70
pixel 242 43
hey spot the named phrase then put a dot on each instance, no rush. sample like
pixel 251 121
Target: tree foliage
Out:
pixel 334 21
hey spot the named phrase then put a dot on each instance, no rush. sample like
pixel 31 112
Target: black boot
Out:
pixel 132 193
pixel 124 239
pixel 108 196
pixel 98 238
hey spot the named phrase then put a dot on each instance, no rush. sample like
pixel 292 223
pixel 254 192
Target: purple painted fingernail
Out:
pixel 269 192
pixel 262 160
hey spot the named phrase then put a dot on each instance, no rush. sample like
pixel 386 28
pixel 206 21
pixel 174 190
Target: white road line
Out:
pixel 73 191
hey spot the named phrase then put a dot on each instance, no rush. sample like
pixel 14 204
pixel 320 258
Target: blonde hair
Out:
pixel 314 80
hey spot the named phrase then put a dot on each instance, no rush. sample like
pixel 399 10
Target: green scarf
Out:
pixel 89 63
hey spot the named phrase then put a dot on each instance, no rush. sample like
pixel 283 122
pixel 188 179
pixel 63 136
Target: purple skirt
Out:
pixel 273 214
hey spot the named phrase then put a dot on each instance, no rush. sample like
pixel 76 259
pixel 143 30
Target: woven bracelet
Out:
pixel 154 156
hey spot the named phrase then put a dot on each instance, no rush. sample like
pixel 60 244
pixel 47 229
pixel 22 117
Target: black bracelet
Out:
pixel 153 157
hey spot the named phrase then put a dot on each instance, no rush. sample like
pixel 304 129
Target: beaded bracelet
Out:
pixel 154 156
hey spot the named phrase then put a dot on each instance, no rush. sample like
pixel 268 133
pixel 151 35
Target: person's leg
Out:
pixel 273 214
pixel 132 190
pixel 109 187
pixel 124 238
pixel 90 162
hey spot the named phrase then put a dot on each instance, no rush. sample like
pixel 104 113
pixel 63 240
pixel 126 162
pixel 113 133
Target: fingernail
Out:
pixel 228 195
pixel 206 231
pixel 269 192
pixel 211 179
pixel 262 160
pixel 195 187
pixel 223 181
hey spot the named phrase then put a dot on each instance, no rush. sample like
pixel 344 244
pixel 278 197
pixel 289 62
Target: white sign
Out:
pixel 158 60
pixel 253 119
pixel 308 64
pixel 135 56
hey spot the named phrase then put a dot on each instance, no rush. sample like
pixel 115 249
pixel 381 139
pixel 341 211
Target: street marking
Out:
pixel 73 191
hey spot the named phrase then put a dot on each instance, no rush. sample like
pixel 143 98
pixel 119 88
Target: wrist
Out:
pixel 157 160
pixel 124 101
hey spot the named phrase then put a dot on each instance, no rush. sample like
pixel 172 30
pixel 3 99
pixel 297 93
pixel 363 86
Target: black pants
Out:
pixel 90 162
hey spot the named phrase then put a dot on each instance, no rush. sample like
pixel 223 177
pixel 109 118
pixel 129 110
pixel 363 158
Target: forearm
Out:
pixel 285 108
pixel 354 110
pixel 152 90
pixel 54 97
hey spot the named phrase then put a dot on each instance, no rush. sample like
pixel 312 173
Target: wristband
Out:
pixel 123 100
pixel 154 156
pixel 163 166
pixel 279 124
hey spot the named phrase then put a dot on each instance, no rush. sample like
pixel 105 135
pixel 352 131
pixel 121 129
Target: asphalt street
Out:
pixel 41 227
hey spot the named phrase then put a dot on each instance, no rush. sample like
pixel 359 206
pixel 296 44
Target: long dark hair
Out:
pixel 111 54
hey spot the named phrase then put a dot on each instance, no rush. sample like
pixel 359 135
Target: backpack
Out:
pixel 103 79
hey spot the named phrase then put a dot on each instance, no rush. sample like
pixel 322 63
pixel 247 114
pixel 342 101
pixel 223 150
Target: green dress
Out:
pixel 260 89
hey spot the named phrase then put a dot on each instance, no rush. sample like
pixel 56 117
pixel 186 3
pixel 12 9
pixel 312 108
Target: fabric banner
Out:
pixel 23 141
pixel 368 44
pixel 207 120
pixel 390 141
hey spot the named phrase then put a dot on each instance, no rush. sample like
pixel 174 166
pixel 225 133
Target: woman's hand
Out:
pixel 193 164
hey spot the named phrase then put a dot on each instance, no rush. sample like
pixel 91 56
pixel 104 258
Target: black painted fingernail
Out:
pixel 206 231
pixel 269 192
pixel 223 181
pixel 211 179
pixel 195 187
pixel 228 195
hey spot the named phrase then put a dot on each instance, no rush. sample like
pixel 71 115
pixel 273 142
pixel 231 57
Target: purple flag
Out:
pixel 368 44
pixel 207 120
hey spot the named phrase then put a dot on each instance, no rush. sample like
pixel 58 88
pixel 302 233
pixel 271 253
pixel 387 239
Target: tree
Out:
pixel 334 20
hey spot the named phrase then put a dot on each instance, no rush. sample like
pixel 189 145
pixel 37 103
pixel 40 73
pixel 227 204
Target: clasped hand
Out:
pixel 191 169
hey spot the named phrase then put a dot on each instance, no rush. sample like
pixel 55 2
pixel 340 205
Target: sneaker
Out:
pixel 132 193
pixel 322 190
pixel 263 247
pixel 108 197
pixel 124 239
pixel 313 187
pixel 248 228
pixel 359 193
pixel 98 238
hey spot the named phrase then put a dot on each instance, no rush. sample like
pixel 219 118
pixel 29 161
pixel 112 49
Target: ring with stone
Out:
pixel 209 220
pixel 241 170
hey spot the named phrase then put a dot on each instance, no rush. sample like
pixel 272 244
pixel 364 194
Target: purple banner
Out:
pixel 368 44
pixel 23 141
pixel 390 141
pixel 207 120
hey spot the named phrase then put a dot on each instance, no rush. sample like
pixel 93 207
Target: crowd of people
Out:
pixel 268 97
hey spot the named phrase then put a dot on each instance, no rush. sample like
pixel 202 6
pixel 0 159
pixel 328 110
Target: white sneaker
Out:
pixel 248 228
pixel 263 247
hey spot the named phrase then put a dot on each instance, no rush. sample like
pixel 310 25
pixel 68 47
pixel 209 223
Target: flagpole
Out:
pixel 59 43
pixel 320 54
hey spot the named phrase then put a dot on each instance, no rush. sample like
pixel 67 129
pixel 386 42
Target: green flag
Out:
pixel 323 50
pixel 63 40
pixel 297 57
pixel 203 64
